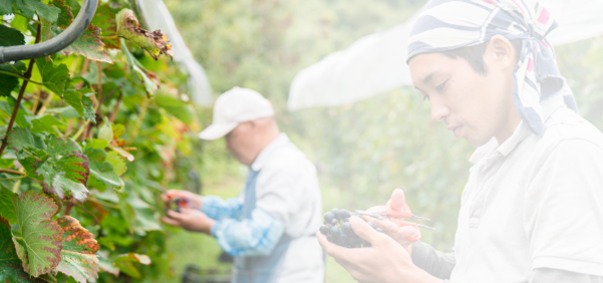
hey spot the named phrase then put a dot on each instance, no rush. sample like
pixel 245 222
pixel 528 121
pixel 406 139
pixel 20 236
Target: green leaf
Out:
pixel 78 258
pixel 153 42
pixel 80 101
pixel 23 114
pixel 53 77
pixel 7 208
pixel 29 7
pixel 88 44
pixel 10 264
pixel 101 170
pixel 63 170
pixel 106 131
pixel 20 139
pixel 118 130
pixel 175 107
pixel 6 7
pixel 149 85
pixel 104 18
pixel 95 143
pixel 8 83
pixel 41 236
pixel 124 263
pixel 60 146
pixel 10 36
pixel 118 162
pixel 45 124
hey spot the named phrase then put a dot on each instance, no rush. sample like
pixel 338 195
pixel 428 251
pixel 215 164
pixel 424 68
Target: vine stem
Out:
pixel 99 100
pixel 114 113
pixel 20 97
pixel 12 171
pixel 20 77
pixel 36 21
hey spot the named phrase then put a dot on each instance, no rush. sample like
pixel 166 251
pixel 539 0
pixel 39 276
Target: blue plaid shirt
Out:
pixel 242 237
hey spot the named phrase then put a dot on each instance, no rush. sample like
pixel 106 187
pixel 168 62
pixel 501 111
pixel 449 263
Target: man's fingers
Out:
pixel 170 221
pixel 397 200
pixel 175 215
pixel 364 231
pixel 330 248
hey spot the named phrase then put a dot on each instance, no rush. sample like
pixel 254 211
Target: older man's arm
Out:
pixel 435 262
pixel 249 237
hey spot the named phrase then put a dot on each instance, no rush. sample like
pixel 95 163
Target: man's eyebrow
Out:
pixel 428 78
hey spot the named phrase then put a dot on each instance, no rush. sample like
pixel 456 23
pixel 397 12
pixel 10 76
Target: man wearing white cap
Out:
pixel 269 228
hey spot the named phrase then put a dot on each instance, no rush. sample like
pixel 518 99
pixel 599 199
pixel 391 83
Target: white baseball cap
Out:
pixel 233 107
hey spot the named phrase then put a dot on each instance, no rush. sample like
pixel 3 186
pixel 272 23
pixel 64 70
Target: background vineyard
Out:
pixel 362 151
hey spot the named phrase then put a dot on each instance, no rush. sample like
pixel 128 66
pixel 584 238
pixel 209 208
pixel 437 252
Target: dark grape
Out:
pixel 329 217
pixel 335 212
pixel 324 229
pixel 339 231
pixel 346 227
pixel 344 214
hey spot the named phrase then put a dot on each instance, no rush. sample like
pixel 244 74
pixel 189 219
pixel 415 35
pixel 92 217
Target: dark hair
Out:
pixel 474 55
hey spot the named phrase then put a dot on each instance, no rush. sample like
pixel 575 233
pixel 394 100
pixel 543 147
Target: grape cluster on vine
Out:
pixel 339 231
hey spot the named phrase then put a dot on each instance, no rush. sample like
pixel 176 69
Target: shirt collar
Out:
pixel 549 105
pixel 268 152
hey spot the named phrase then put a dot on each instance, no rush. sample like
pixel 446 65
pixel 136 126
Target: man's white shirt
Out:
pixel 533 202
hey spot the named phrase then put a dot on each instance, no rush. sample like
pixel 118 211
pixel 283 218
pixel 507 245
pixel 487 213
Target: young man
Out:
pixel 269 228
pixel 532 210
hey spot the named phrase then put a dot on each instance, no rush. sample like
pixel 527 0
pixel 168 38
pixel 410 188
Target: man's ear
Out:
pixel 501 52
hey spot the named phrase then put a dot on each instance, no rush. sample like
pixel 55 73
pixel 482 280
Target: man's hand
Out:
pixel 386 261
pixel 194 200
pixel 190 219
pixel 399 234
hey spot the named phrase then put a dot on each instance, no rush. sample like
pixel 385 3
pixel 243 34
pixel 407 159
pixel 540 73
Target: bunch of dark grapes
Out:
pixel 338 230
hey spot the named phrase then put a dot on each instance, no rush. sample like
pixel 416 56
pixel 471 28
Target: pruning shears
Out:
pixel 397 216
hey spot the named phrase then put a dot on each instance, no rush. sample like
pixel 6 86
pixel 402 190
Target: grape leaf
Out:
pixel 10 36
pixel 78 254
pixel 8 83
pixel 63 170
pixel 41 240
pixel 102 171
pixel 45 124
pixel 151 83
pixel 53 77
pixel 7 208
pixel 29 7
pixel 153 42
pixel 20 139
pixel 23 114
pixel 88 44
pixel 106 131
pixel 119 165
pixel 60 146
pixel 124 263
pixel 80 101
pixel 6 7
pixel 104 18
pixel 10 264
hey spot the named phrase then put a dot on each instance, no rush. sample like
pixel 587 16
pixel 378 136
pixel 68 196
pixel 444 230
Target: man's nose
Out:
pixel 439 110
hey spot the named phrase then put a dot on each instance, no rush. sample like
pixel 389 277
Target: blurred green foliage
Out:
pixel 362 151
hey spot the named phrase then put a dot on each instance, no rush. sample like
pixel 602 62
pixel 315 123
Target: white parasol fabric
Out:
pixel 157 16
pixel 376 63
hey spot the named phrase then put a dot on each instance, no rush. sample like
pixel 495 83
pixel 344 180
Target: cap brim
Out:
pixel 216 131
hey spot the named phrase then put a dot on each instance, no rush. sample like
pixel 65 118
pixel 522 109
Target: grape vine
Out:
pixel 89 138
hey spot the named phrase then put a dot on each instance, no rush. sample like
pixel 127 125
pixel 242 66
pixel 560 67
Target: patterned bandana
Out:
pixel 449 24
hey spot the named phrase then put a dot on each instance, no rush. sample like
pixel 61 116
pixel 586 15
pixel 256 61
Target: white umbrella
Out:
pixel 157 16
pixel 376 63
